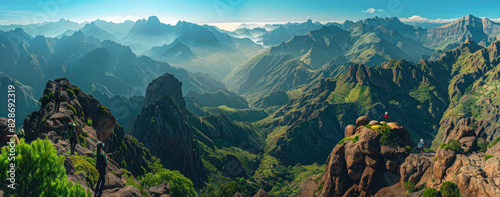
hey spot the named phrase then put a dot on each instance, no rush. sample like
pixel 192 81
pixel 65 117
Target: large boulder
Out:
pixel 161 190
pixel 444 159
pixel 359 168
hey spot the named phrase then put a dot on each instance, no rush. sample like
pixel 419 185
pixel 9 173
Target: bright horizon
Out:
pixel 227 13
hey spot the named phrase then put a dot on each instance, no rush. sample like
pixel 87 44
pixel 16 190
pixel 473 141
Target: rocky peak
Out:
pixel 357 166
pixel 162 127
pixel 168 85
pixel 75 106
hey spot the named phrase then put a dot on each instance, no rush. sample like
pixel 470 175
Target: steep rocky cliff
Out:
pixel 94 123
pixel 162 127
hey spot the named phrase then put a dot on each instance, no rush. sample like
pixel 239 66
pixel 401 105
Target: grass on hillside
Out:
pixel 244 115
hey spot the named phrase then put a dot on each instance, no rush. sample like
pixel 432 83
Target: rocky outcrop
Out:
pixel 261 193
pixel 75 106
pixel 162 127
pixel 360 168
pixel 94 123
pixel 166 84
pixel 161 190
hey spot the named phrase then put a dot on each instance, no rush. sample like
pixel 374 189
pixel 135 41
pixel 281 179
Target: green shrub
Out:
pixel 39 172
pixel 486 157
pixel 228 189
pixel 449 189
pixel 409 186
pixel 386 138
pixel 72 108
pixel 453 145
pixel 408 148
pixel 82 141
pixel 344 140
pixel 46 98
pixel 482 147
pixel 355 139
pixel 102 109
pixel 89 122
pixel 180 185
pixel 77 90
pixel 85 165
pixel 430 192
pixel 71 93
pixel 494 142
pixel 130 180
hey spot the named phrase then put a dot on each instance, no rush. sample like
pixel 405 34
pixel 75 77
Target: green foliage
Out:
pixel 494 142
pixel 72 108
pixel 77 90
pixel 180 185
pixel 102 109
pixel 82 141
pixel 482 146
pixel 344 140
pixel 387 137
pixel 89 122
pixel 409 186
pixel 46 98
pixel 449 189
pixel 453 145
pixel 486 157
pixel 408 148
pixel 433 180
pixel 430 192
pixel 130 180
pixel 71 93
pixel 85 165
pixel 355 139
pixel 244 115
pixel 225 190
pixel 39 171
pixel 123 164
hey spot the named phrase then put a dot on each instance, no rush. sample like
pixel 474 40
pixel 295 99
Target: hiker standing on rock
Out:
pixel 57 99
pixel 386 116
pixel 72 137
pixel 101 163
pixel 421 146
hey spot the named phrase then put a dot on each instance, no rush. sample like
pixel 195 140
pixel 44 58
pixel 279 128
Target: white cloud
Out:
pixel 372 10
pixel 495 20
pixel 419 19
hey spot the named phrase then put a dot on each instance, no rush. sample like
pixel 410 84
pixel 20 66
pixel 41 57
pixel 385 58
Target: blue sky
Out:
pixel 221 11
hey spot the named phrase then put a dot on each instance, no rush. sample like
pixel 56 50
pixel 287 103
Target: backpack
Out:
pixel 71 133
pixel 102 161
pixel 420 145
pixel 57 95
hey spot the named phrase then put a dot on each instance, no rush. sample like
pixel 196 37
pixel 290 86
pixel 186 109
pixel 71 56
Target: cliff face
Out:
pixel 94 123
pixel 360 167
pixel 162 127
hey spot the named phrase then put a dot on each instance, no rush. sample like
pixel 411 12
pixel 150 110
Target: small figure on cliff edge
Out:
pixel 421 146
pixel 101 164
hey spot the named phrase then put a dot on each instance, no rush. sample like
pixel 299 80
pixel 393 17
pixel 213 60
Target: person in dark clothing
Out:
pixel 72 137
pixel 386 116
pixel 421 146
pixel 101 163
pixel 57 99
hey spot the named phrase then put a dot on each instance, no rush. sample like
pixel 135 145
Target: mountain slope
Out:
pixel 92 29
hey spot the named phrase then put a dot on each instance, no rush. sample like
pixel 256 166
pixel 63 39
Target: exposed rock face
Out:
pixel 118 146
pixel 162 127
pixel 360 168
pixel 4 131
pixel 86 108
pixel 166 84
pixel 261 193
pixel 161 190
